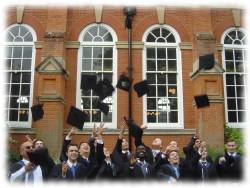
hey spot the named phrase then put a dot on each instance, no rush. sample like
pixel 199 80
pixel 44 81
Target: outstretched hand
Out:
pixel 29 139
pixel 72 132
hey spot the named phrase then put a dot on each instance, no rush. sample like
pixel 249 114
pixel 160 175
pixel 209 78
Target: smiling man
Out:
pixel 70 170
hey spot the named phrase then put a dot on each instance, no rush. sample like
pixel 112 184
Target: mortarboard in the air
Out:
pixel 76 117
pixel 103 107
pixel 88 81
pixel 201 101
pixel 141 88
pixel 37 112
pixel 134 129
pixel 103 89
pixel 206 61
pixel 124 83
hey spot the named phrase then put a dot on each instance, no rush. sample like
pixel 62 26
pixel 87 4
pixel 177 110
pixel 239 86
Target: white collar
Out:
pixel 231 154
pixel 25 161
pixel 71 164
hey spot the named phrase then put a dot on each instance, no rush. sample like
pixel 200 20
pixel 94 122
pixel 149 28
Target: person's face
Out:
pixel 124 144
pixel 197 143
pixel 141 151
pixel 157 143
pixel 231 147
pixel 26 147
pixel 38 144
pixel 204 153
pixel 173 158
pixel 106 152
pixel 72 153
pixel 173 145
pixel 84 148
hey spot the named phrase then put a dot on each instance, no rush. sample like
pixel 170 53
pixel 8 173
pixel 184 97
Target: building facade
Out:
pixel 49 48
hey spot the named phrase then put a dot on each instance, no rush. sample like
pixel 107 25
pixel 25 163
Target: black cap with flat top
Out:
pixel 201 101
pixel 37 112
pixel 103 107
pixel 141 88
pixel 76 117
pixel 88 81
pixel 124 83
pixel 103 89
pixel 206 62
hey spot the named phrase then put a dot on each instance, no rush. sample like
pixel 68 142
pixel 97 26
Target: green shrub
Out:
pixel 12 156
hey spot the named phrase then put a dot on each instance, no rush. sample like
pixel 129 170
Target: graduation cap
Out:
pixel 37 112
pixel 124 83
pixel 103 89
pixel 135 130
pixel 38 156
pixel 103 107
pixel 206 61
pixel 88 81
pixel 201 101
pixel 141 88
pixel 76 117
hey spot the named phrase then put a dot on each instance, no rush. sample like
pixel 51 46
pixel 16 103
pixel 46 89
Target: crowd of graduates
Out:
pixel 91 161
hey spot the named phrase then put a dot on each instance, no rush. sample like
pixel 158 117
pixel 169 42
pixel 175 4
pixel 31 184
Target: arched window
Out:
pixel 235 81
pixel 97 56
pixel 163 104
pixel 18 67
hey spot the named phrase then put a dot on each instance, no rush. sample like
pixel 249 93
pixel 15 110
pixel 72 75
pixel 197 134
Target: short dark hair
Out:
pixel 232 140
pixel 82 143
pixel 69 145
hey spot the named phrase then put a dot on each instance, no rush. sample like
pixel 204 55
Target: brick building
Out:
pixel 49 48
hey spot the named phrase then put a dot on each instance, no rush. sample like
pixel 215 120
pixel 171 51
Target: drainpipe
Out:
pixel 130 12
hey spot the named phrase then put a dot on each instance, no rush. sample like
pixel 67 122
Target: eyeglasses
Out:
pixel 29 147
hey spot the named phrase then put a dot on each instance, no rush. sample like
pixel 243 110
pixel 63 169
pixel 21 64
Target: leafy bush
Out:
pixel 12 156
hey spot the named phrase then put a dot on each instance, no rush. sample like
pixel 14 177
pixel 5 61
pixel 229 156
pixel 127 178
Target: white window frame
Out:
pixel 28 123
pixel 180 124
pixel 235 47
pixel 112 124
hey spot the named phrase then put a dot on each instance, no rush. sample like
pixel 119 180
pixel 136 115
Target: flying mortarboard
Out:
pixel 103 107
pixel 124 83
pixel 141 88
pixel 103 89
pixel 76 117
pixel 38 156
pixel 88 81
pixel 201 101
pixel 206 61
pixel 37 112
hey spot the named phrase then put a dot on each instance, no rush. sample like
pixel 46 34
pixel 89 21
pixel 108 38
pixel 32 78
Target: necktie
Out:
pixel 144 170
pixel 204 171
pixel 73 170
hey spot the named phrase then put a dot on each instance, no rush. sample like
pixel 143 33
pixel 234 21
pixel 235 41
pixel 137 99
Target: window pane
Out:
pixel 86 103
pixel 240 91
pixel 228 40
pixel 13 115
pixel 8 52
pixel 229 66
pixel 230 91
pixel 9 38
pixel 172 78
pixel 152 91
pixel 151 118
pixel 15 89
pixel 16 77
pixel 172 65
pixel 232 116
pixel 17 52
pixel 108 65
pixel 15 31
pixel 156 32
pixel 86 64
pixel 25 89
pixel 241 116
pixel 171 53
pixel 162 117
pixel 172 91
pixel 162 91
pixel 231 104
pixel 151 65
pixel 150 52
pixel 230 79
pixel 108 52
pixel 165 33
pixel 173 117
pixel 161 65
pixel 16 64
pixel 26 64
pixel 87 52
pixel 151 103
pixel 23 115
pixel 108 38
pixel 13 102
pixel 241 104
pixel 151 78
pixel 161 53
pixel 108 76
pixel 27 52
pixel 96 117
pixel 97 64
pixel 97 52
pixel 93 31
pixel 28 38
pixel 151 38
pixel 173 103
pixel 87 37
pixel 229 55
pixel 171 39
pixel 239 79
pixel 161 78
pixel 26 77
pixel 239 67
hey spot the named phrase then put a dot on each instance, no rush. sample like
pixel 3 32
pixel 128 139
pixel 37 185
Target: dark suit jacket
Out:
pixel 80 174
pixel 136 172
pixel 196 169
pixel 232 169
